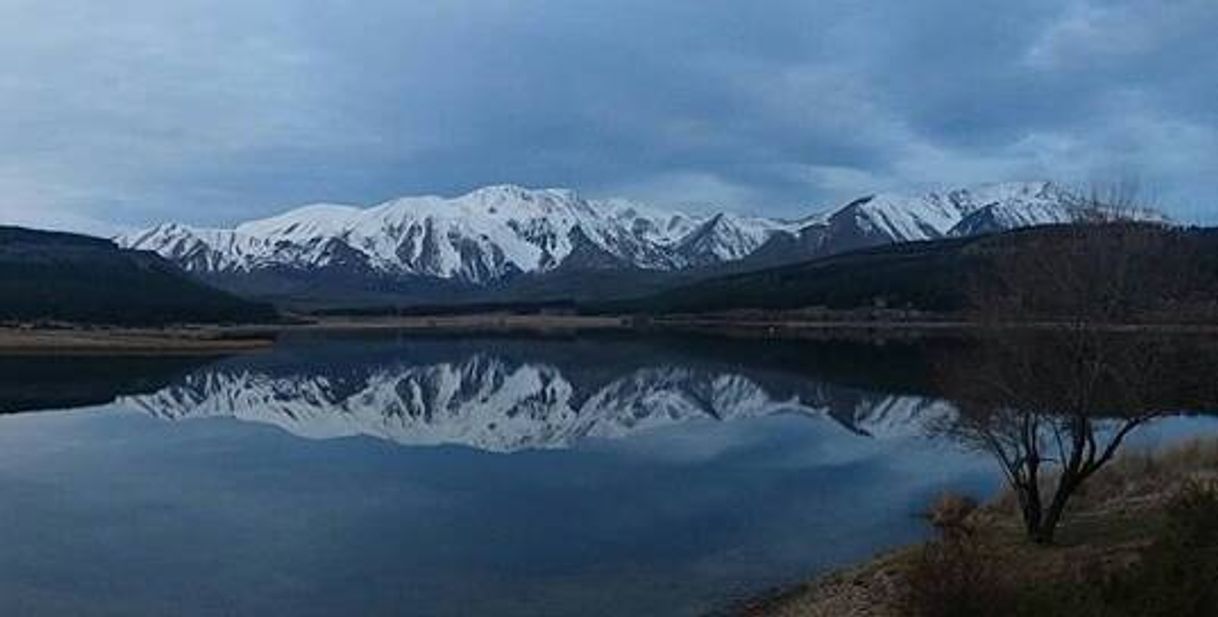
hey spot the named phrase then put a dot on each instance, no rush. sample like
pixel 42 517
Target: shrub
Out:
pixel 952 575
pixel 950 513
pixel 1178 574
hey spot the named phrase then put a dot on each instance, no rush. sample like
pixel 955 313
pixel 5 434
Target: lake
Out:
pixel 383 474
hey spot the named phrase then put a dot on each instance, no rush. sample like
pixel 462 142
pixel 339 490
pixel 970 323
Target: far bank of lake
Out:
pixel 238 338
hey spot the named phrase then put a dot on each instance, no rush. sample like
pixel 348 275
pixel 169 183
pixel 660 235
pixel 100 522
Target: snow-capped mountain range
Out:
pixel 499 404
pixel 495 234
pixel 481 237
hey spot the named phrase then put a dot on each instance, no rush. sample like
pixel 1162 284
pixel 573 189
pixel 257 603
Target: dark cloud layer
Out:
pixel 133 111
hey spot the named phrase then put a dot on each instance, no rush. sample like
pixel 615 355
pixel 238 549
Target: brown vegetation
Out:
pixel 1142 539
pixel 1168 569
pixel 111 341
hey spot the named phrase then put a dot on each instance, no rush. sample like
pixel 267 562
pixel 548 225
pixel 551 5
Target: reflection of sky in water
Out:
pixel 109 510
pixel 117 511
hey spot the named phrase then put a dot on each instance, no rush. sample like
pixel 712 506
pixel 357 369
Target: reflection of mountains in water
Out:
pixel 494 397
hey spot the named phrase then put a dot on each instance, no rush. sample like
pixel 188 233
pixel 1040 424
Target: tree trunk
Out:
pixel 1032 516
pixel 1047 527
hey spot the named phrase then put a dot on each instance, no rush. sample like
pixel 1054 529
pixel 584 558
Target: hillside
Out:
pixel 49 276
pixel 933 275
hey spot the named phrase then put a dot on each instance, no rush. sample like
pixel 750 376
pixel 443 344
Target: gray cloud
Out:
pixel 134 111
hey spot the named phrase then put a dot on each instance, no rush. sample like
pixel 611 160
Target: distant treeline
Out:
pixel 1167 272
pixel 565 307
pixel 57 382
pixel 1171 272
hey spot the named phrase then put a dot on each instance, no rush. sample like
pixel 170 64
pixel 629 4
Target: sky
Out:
pixel 126 113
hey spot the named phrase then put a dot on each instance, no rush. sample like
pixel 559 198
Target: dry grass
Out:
pixel 952 515
pixel 1148 474
pixel 1109 528
pixel 68 341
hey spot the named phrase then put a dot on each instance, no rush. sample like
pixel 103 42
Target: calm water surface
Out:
pixel 385 475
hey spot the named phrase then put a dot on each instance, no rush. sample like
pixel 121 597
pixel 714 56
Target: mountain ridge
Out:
pixel 484 241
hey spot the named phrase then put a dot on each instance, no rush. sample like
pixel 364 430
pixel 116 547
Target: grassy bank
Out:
pixel 208 340
pixel 66 338
pixel 1141 539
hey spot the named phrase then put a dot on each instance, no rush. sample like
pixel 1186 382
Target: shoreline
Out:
pixel 778 326
pixel 847 590
pixel 1110 527
pixel 71 341
pixel 224 339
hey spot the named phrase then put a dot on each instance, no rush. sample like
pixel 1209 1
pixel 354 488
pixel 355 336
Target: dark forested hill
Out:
pixel 68 277
pixel 938 275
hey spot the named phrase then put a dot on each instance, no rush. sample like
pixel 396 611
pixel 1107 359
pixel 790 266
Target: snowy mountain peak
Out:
pixel 510 192
pixel 926 216
pixel 728 237
pixel 310 220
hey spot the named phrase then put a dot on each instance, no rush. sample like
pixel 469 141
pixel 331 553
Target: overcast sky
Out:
pixel 130 112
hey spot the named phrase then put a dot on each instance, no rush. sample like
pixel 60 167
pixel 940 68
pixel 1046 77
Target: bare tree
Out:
pixel 1087 275
pixel 1055 387
pixel 1121 201
pixel 1054 407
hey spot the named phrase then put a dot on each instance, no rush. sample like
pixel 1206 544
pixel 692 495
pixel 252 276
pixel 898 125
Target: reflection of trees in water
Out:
pixel 31 383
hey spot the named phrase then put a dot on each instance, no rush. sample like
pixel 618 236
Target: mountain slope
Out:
pixel 68 277
pixel 479 245
pixel 931 275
